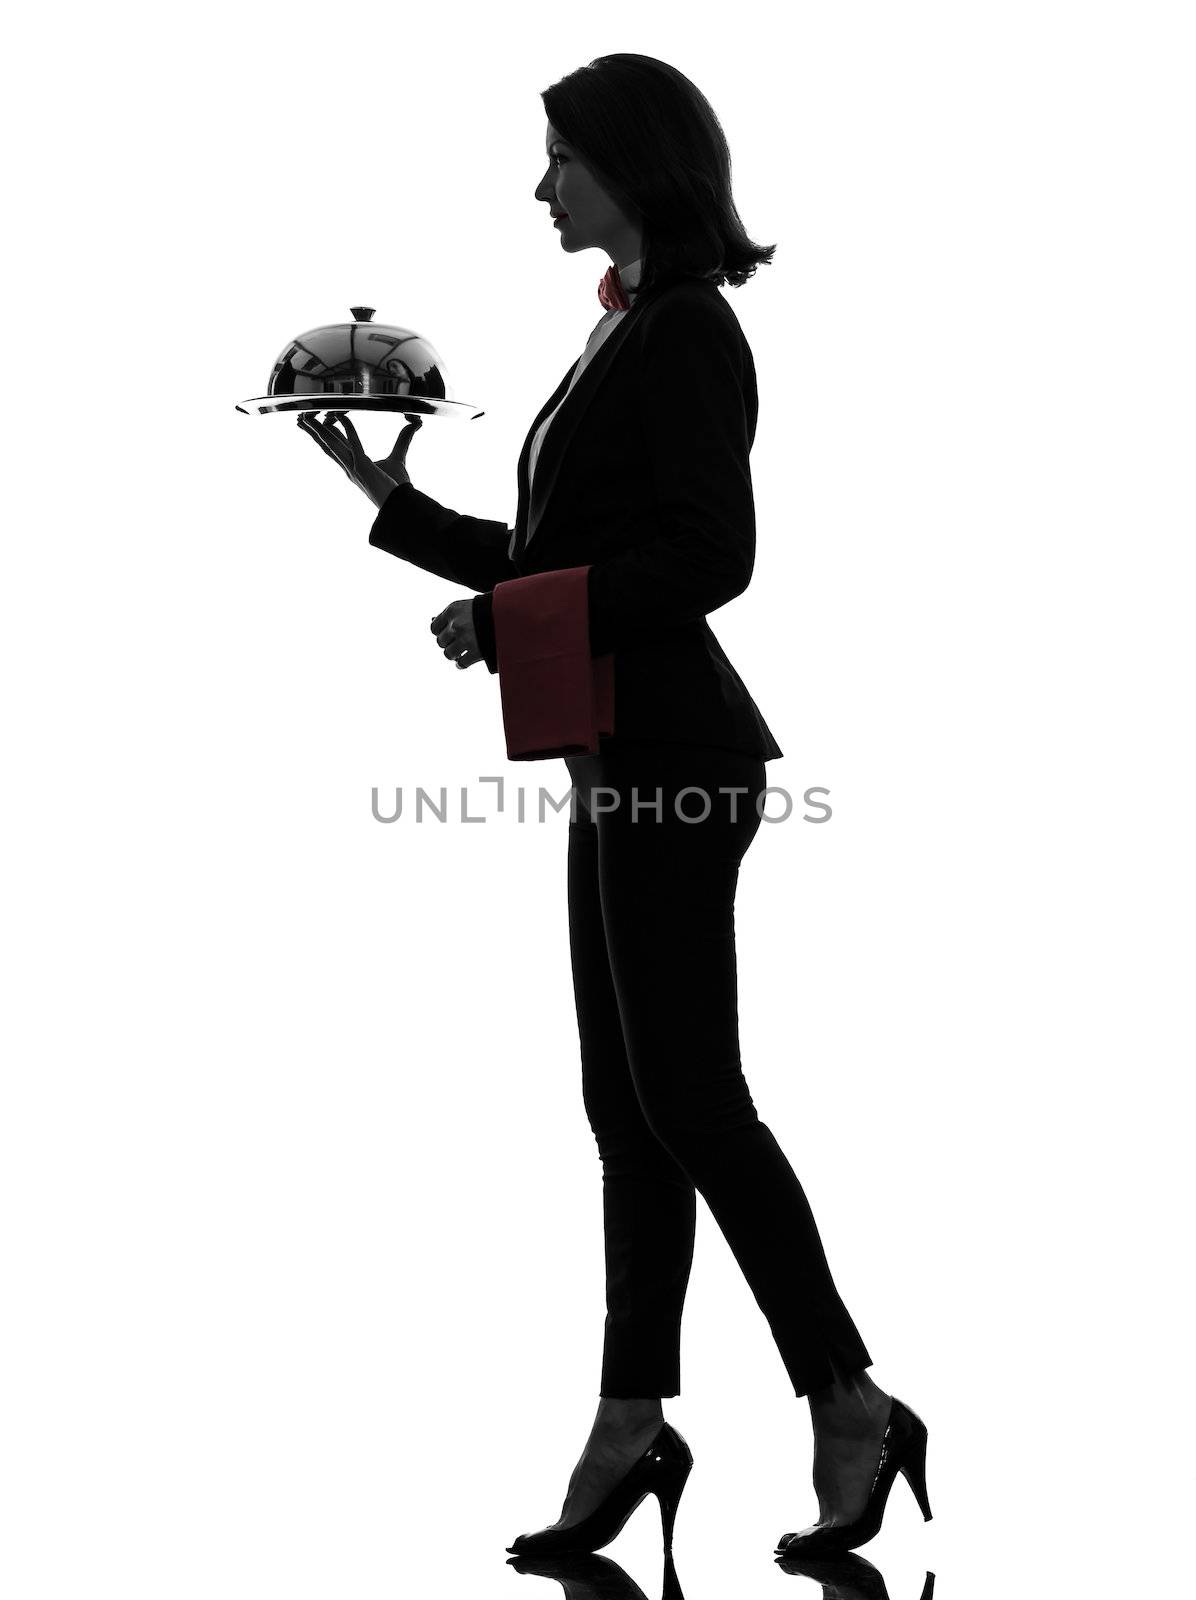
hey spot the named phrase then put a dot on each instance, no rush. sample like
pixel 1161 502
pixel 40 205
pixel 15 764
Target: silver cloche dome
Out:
pixel 360 366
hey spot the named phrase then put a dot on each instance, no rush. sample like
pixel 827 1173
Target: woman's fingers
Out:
pixel 331 418
pixel 339 443
pixel 325 438
pixel 398 455
pixel 354 455
pixel 454 633
pixel 447 631
pixel 351 435
pixel 309 425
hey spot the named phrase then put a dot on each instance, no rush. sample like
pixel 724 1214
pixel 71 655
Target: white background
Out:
pixel 302 1252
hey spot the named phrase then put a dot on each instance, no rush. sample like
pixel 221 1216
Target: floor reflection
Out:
pixel 847 1577
pixel 595 1577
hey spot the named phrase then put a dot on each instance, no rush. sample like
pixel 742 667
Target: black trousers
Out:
pixel 652 940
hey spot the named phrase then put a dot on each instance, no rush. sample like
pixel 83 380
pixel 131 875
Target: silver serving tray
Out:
pixel 414 405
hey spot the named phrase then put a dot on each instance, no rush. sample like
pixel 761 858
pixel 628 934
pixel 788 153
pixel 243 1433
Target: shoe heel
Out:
pixel 914 1468
pixel 669 1496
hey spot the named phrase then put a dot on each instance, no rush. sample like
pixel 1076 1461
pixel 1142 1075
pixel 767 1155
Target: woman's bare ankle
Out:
pixel 628 1416
pixel 851 1400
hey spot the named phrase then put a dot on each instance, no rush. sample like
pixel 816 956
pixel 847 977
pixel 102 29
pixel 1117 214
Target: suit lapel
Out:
pixel 564 426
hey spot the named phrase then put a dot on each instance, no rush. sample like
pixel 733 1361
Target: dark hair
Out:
pixel 653 142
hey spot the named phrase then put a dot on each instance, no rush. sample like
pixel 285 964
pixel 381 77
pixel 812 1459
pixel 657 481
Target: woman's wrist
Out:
pixel 377 484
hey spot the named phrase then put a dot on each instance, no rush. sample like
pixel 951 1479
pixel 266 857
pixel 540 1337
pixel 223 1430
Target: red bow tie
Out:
pixel 610 291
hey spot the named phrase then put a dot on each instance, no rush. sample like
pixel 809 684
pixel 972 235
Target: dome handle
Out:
pixel 362 313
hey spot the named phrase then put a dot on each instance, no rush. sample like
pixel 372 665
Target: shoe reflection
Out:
pixel 594 1577
pixel 845 1577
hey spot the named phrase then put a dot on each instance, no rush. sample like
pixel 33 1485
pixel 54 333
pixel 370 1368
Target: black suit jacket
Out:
pixel 643 475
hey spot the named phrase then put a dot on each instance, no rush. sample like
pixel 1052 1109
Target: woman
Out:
pixel 634 485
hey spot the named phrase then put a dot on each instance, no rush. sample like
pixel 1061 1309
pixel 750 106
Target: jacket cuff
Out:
pixel 483 626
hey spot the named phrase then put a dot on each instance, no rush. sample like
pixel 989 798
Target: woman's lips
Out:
pixel 564 217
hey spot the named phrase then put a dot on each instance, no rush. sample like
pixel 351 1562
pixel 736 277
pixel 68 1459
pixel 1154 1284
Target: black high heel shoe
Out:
pixel 661 1470
pixel 903 1449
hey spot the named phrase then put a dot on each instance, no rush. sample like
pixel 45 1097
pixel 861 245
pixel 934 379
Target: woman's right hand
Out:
pixel 374 478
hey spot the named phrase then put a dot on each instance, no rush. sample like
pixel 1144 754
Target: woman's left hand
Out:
pixel 455 634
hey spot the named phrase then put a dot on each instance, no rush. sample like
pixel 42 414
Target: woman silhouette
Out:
pixel 634 481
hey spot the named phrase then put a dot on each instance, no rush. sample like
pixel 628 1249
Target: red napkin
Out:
pixel 556 697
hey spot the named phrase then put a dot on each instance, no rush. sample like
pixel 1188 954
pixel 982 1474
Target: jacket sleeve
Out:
pixel 468 550
pixel 465 550
pixel 697 412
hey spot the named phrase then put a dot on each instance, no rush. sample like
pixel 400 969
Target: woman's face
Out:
pixel 591 218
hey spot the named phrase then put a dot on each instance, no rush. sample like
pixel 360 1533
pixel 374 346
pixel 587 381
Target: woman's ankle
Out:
pixel 626 1416
pixel 850 1398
